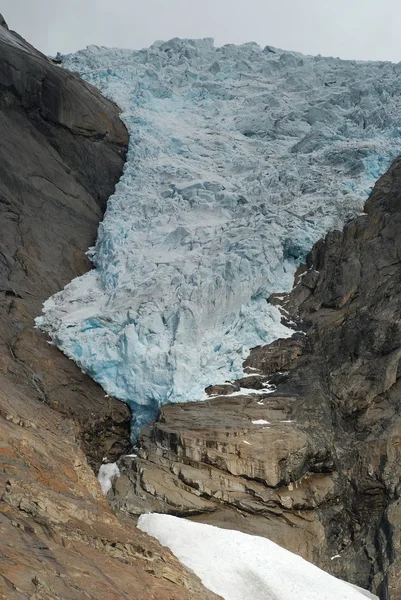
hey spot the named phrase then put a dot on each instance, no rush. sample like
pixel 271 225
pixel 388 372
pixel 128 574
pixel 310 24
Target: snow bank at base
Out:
pixel 238 566
pixel 240 158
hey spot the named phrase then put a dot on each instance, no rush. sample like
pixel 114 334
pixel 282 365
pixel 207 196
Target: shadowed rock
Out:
pixel 3 22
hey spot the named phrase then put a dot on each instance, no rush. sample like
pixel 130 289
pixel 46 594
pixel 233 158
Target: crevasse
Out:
pixel 240 158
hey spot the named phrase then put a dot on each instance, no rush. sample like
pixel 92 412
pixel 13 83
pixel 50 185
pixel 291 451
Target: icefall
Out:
pixel 240 158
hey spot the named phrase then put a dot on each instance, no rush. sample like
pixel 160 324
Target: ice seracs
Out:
pixel 238 566
pixel 240 158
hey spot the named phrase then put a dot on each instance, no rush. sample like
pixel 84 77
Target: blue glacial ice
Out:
pixel 240 158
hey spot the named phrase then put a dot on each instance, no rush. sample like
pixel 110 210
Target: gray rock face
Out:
pixel 62 149
pixel 3 22
pixel 315 465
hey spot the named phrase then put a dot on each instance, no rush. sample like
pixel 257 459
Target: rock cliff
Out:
pixel 62 150
pixel 315 464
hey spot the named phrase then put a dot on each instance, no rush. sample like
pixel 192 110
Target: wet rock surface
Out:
pixel 62 150
pixel 315 464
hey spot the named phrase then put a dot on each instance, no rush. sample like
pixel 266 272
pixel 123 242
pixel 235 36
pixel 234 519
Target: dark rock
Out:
pixel 223 389
pixel 61 153
pixel 281 355
pixel 3 22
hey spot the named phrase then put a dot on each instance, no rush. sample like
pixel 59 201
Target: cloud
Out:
pixel 355 29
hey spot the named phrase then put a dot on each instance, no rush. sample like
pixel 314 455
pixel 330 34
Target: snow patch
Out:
pixel 238 566
pixel 246 392
pixel 107 475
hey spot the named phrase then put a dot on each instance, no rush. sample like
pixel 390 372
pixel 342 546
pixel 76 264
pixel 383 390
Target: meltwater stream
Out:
pixel 240 158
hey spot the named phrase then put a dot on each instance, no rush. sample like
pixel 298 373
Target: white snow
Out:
pixel 107 474
pixel 240 158
pixel 238 566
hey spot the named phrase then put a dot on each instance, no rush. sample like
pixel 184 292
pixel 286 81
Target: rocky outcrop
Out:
pixel 59 538
pixel 62 150
pixel 315 464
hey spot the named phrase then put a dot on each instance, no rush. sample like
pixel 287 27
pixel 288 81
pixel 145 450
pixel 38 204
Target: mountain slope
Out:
pixel 62 150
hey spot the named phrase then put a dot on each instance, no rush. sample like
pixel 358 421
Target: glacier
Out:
pixel 240 158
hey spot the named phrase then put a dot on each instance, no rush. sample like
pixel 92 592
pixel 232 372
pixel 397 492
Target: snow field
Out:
pixel 238 566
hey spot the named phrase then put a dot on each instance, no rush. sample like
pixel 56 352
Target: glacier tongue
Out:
pixel 240 158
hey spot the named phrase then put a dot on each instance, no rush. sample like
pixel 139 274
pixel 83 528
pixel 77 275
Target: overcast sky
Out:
pixel 360 29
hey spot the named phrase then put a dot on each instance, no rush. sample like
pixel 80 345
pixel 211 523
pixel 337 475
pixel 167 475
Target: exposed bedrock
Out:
pixel 314 465
pixel 62 149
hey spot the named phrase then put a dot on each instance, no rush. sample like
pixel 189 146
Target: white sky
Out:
pixel 359 29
